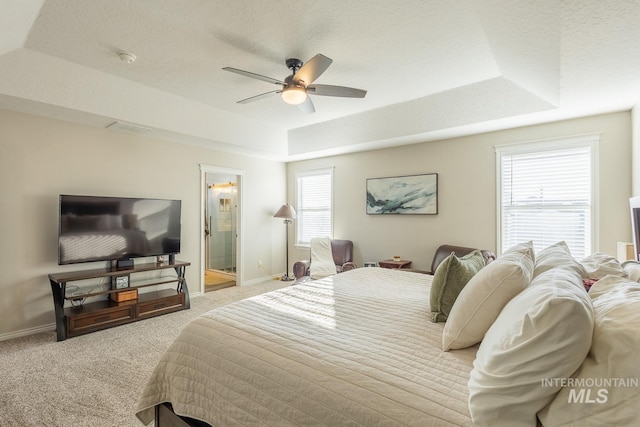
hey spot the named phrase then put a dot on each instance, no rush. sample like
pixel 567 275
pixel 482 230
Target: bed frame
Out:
pixel 165 417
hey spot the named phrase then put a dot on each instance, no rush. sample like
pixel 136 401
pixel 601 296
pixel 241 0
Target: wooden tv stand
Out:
pixel 90 317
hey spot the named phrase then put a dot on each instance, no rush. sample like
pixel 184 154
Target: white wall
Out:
pixel 467 190
pixel 42 158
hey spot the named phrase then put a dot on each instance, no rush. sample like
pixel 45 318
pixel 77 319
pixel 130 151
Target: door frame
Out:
pixel 204 170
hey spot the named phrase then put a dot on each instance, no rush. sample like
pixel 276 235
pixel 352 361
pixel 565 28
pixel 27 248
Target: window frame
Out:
pixel 300 211
pixel 590 141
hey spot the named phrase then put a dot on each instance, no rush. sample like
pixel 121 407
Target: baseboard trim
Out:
pixel 26 332
pixel 258 281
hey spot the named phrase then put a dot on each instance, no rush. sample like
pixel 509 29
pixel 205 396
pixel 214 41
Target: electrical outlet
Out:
pixel 260 264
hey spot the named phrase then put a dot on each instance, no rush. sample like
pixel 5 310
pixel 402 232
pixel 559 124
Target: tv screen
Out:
pixel 95 228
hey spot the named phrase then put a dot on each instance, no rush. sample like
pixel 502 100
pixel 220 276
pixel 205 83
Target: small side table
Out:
pixel 389 263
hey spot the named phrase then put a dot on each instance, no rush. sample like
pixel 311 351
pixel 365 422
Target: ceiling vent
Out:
pixel 127 57
pixel 128 127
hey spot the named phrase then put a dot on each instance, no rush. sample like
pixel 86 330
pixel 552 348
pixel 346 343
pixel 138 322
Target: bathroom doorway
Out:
pixel 220 230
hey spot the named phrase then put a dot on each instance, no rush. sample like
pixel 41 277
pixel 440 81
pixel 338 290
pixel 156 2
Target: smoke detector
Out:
pixel 127 57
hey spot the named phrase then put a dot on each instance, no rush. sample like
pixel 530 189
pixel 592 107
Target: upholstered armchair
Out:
pixel 444 251
pixel 342 251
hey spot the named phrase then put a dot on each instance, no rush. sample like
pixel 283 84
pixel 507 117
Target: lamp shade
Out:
pixel 286 211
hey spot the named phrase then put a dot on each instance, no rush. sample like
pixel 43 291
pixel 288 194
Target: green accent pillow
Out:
pixel 450 277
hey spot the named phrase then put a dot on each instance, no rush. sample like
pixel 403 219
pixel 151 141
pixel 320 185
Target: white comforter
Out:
pixel 357 348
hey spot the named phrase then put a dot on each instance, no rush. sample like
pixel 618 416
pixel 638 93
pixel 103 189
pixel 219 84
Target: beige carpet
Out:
pixel 95 379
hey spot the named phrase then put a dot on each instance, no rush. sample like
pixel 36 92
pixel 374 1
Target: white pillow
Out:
pixel 605 285
pixel 485 295
pixel 632 268
pixel 543 332
pixel 613 357
pixel 556 255
pixel 598 264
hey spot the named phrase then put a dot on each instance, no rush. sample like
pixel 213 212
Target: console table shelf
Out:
pixel 77 320
pixel 111 291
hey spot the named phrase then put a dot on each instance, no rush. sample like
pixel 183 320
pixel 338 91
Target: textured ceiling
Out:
pixel 432 69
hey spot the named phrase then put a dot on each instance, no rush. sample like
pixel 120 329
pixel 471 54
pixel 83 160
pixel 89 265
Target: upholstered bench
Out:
pixel 445 250
pixel 342 251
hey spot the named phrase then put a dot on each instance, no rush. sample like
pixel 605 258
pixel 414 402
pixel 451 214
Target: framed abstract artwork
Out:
pixel 403 195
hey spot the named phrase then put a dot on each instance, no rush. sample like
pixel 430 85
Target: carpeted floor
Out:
pixel 95 379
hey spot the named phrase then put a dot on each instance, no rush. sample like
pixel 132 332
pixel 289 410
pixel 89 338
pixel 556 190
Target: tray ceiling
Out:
pixel 432 69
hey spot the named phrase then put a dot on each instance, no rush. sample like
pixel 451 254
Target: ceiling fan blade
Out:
pixel 307 106
pixel 330 90
pixel 312 69
pixel 254 76
pixel 257 97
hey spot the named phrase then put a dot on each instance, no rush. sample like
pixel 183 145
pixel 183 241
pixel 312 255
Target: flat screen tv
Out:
pixel 96 228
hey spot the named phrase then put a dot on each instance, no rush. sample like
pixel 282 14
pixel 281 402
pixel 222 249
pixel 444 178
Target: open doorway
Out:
pixel 221 204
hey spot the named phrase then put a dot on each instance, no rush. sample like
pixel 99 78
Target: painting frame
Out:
pixel 403 195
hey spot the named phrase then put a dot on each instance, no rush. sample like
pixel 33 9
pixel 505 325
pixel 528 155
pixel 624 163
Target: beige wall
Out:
pixel 42 158
pixel 467 190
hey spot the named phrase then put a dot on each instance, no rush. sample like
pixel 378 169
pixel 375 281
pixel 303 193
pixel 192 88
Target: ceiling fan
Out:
pixel 296 87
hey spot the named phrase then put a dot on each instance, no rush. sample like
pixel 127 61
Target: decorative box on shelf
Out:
pixel 128 295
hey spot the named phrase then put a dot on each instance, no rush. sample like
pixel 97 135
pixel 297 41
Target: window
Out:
pixel 314 191
pixel 546 193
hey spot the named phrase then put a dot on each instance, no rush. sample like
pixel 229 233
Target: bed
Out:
pixel 518 342
pixel 357 348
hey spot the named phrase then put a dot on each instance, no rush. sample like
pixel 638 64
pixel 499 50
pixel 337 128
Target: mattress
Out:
pixel 357 348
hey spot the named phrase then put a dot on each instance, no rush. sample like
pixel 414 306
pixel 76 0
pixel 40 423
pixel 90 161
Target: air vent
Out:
pixel 128 127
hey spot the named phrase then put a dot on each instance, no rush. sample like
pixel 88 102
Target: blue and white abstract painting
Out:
pixel 414 194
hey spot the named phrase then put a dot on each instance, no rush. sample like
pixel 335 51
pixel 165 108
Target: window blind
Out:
pixel 314 191
pixel 546 195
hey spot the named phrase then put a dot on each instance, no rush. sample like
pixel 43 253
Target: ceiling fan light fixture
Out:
pixel 296 87
pixel 294 95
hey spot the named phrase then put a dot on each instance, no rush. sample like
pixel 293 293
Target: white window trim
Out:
pixel 583 140
pixel 312 172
